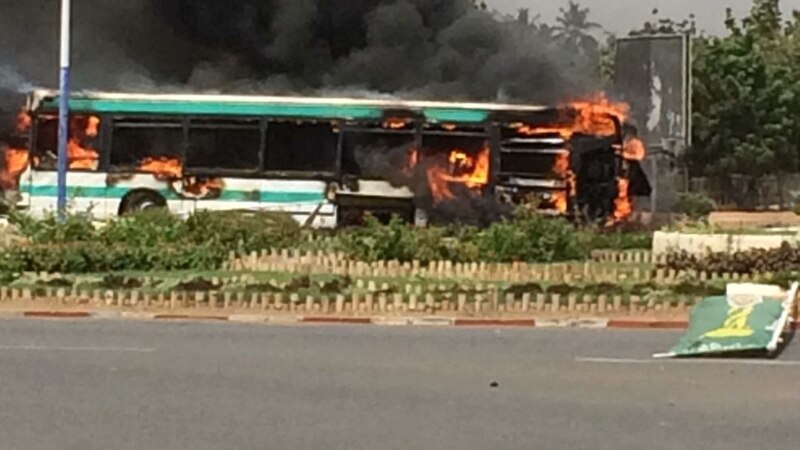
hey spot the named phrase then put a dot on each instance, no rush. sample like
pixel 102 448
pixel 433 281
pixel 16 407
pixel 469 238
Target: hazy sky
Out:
pixel 620 16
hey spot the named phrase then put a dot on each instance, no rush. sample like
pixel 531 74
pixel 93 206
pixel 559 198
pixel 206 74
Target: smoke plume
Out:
pixel 420 48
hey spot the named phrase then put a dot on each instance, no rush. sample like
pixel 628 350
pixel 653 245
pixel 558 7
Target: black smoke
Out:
pixel 418 48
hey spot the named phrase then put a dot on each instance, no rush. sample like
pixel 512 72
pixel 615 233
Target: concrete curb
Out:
pixel 434 321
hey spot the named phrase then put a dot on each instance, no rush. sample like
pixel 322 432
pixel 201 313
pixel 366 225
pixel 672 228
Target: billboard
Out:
pixel 653 74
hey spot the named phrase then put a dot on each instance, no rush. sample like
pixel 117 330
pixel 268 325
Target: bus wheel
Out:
pixel 138 201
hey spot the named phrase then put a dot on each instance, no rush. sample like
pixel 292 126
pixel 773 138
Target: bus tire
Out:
pixel 138 201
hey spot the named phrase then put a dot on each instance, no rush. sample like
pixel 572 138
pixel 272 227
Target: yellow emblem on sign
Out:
pixel 735 325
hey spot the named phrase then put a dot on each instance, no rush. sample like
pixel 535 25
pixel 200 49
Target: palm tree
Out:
pixel 574 28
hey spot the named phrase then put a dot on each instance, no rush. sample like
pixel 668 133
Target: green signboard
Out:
pixel 737 322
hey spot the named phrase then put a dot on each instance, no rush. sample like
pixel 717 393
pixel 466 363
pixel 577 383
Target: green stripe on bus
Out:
pixel 222 108
pixel 320 110
pixel 456 115
pixel 226 195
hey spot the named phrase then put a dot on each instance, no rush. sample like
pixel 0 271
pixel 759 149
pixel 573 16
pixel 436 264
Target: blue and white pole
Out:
pixel 63 111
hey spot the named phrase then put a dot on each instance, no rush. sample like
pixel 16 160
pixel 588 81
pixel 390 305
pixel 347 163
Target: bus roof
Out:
pixel 304 107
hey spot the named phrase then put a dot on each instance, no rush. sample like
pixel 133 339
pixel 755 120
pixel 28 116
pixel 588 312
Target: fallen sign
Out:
pixel 749 317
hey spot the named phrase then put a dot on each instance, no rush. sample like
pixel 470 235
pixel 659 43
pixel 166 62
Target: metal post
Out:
pixel 63 112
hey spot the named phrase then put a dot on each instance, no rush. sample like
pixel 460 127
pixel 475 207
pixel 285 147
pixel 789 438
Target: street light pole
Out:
pixel 63 108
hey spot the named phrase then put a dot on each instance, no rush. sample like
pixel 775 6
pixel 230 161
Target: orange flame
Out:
pixel 162 167
pixel 92 126
pixel 633 149
pixel 396 123
pixel 80 155
pixel 623 207
pixel 16 161
pixel 23 121
pixel 596 115
pixel 463 169
pixel 203 188
pixel 562 169
pixel 563 132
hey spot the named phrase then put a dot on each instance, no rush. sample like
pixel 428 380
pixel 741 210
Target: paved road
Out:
pixel 134 385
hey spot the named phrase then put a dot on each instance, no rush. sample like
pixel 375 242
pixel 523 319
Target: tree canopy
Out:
pixel 746 91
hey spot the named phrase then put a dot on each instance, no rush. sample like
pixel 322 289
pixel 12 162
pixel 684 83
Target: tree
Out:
pixel 746 108
pixel 574 29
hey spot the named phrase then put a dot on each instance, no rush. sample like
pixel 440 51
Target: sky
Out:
pixel 620 16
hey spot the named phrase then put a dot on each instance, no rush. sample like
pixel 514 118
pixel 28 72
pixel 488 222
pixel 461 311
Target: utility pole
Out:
pixel 63 108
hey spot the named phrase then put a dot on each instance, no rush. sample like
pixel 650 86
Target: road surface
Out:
pixel 138 385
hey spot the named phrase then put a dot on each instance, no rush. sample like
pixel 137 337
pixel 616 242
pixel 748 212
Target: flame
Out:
pixel 92 125
pixel 203 188
pixel 563 132
pixel 623 207
pixel 396 123
pixel 594 116
pixel 16 161
pixel 23 121
pixel 162 167
pixel 633 149
pixel 80 157
pixel 563 170
pixel 560 201
pixel 463 169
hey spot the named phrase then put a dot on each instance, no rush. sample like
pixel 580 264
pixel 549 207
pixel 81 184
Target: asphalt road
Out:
pixel 135 385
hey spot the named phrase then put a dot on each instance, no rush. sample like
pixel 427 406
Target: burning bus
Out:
pixel 325 161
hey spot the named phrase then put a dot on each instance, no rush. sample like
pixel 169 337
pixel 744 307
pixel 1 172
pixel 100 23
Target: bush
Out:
pixel 600 240
pixel 243 231
pixel 395 241
pixel 74 228
pixel 783 259
pixel 157 240
pixel 145 229
pixel 530 237
pixel 694 206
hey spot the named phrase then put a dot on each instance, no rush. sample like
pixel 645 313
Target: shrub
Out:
pixel 243 231
pixel 617 240
pixel 395 241
pixel 694 206
pixel 530 237
pixel 145 229
pixel 49 230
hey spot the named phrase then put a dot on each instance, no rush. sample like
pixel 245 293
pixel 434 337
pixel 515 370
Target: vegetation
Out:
pixel 153 240
pixel 696 207
pixel 784 259
pixel 158 241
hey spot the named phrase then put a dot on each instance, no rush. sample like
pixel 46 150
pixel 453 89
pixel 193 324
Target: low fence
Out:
pixel 295 261
pixel 429 301
pixel 606 267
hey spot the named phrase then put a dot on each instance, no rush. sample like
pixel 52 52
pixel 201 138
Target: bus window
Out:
pixel 82 153
pixel 225 145
pixel 137 143
pixel 374 154
pixel 302 147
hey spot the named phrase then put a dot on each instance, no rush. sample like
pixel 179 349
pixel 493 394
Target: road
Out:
pixel 139 385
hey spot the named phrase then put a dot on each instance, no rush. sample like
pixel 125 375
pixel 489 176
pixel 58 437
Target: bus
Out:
pixel 324 161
